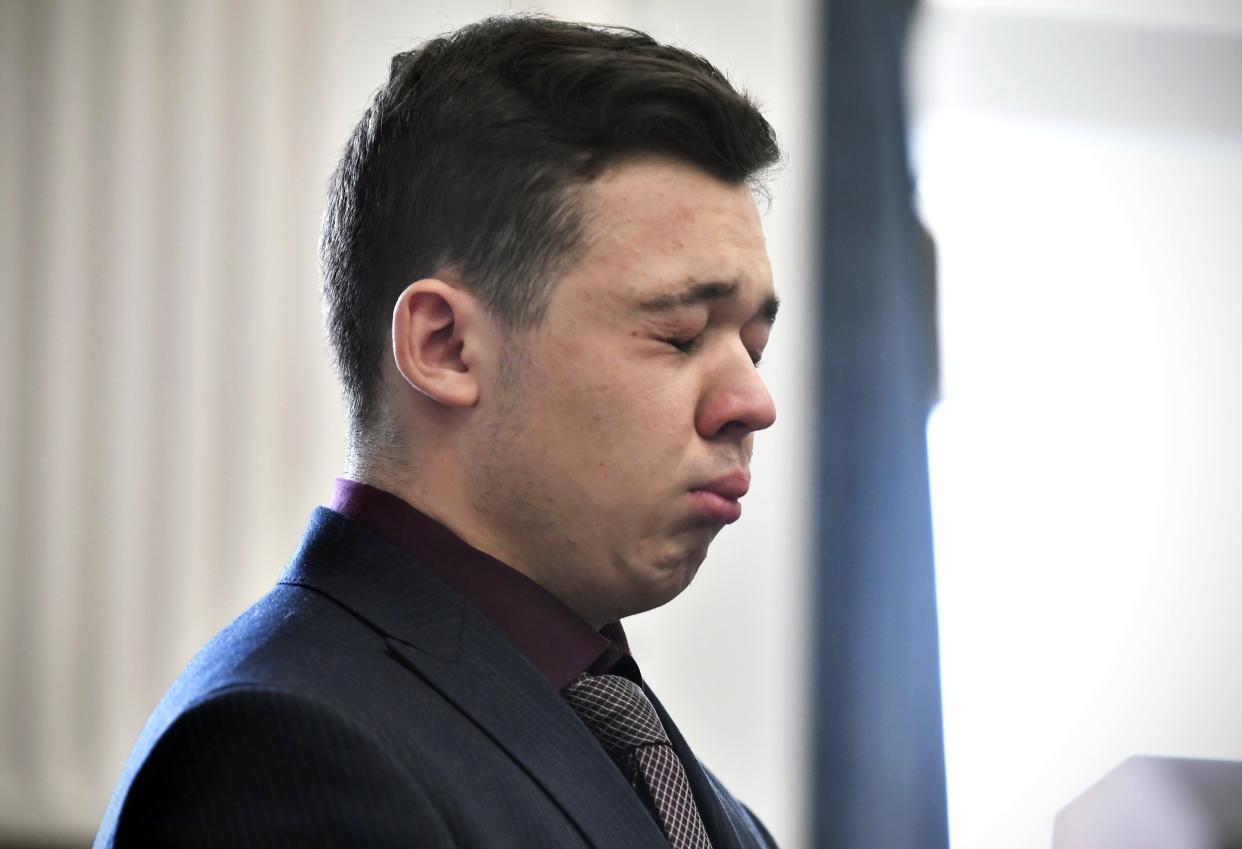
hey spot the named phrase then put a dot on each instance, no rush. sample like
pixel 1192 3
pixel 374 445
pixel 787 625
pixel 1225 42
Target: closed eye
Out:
pixel 686 346
pixel 691 345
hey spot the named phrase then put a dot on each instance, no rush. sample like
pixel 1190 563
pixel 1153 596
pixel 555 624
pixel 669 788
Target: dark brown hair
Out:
pixel 473 156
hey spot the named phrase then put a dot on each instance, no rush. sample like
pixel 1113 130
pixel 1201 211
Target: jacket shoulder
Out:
pixel 265 706
pixel 253 766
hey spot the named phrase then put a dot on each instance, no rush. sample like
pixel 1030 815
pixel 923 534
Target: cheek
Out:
pixel 636 431
pixel 603 408
pixel 611 442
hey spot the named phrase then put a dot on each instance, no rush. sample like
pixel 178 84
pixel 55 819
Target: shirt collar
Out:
pixel 552 637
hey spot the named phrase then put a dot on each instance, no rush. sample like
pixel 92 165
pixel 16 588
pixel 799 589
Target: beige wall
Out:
pixel 170 417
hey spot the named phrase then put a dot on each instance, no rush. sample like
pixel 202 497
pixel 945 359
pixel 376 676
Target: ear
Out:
pixel 434 327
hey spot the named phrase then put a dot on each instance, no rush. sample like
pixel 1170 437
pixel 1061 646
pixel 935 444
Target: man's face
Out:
pixel 617 442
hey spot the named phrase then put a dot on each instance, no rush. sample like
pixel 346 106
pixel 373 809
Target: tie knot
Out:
pixel 616 710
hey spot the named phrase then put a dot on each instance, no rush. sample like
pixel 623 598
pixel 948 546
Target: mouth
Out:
pixel 719 500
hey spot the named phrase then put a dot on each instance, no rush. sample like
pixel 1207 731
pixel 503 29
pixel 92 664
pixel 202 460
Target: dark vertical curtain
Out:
pixel 879 750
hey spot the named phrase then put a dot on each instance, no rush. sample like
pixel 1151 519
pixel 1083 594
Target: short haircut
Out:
pixel 474 154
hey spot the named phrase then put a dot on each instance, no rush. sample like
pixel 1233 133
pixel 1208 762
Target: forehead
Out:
pixel 653 224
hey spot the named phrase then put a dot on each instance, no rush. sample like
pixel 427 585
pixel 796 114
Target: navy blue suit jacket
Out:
pixel 365 703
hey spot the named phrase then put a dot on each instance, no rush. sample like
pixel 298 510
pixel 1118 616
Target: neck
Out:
pixel 446 501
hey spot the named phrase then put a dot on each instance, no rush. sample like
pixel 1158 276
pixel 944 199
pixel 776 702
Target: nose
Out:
pixel 736 403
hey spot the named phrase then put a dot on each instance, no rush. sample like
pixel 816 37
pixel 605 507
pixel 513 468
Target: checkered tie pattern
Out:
pixel 624 721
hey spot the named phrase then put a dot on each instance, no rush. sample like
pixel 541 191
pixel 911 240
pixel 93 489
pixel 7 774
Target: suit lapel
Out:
pixel 727 824
pixel 448 643
pixel 516 706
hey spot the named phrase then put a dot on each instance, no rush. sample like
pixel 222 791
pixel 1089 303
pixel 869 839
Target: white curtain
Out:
pixel 169 416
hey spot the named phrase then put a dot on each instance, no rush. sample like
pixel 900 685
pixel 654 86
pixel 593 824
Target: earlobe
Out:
pixel 431 326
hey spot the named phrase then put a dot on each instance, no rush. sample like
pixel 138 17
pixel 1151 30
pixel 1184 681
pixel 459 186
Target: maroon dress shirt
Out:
pixel 552 637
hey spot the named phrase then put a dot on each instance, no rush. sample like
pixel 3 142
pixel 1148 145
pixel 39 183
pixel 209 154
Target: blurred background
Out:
pixel 1068 318
pixel 1080 164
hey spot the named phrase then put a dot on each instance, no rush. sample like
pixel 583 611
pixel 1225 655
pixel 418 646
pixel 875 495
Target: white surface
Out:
pixel 1203 15
pixel 1085 462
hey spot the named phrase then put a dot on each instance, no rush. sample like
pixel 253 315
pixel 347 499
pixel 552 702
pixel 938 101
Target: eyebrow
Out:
pixel 705 292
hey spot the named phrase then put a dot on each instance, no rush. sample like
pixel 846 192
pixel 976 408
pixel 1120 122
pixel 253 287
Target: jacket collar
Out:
pixel 438 636
pixel 728 824
pixel 379 582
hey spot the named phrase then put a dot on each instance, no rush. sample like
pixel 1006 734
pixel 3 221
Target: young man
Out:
pixel 546 290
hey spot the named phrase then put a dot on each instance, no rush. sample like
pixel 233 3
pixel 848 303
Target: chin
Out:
pixel 670 577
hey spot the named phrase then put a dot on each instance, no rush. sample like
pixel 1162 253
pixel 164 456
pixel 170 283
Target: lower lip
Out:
pixel 715 507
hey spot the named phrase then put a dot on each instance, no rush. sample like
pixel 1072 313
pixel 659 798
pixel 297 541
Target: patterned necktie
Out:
pixel 625 722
